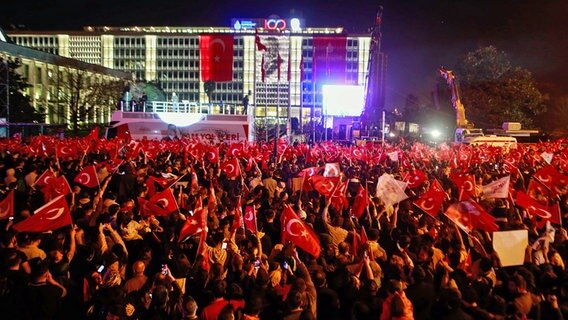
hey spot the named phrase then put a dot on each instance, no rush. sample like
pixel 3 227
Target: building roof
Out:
pixel 25 52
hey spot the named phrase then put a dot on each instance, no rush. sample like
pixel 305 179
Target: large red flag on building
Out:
pixel 259 45
pixel 329 59
pixel 216 56
pixel 297 232
pixel 51 216
pixel 7 206
pixel 162 203
pixel 88 177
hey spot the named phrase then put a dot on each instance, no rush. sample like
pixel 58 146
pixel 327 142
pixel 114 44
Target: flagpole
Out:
pixel 254 86
pixel 266 110
pixel 289 78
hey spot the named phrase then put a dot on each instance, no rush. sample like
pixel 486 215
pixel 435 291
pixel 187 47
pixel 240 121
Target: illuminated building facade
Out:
pixel 278 81
pixel 48 75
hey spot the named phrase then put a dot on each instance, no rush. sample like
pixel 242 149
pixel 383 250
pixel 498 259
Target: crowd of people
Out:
pixel 124 257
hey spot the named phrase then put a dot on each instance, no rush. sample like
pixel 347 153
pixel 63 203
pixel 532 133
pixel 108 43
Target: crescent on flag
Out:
pixel 540 212
pixel 468 186
pixel 164 201
pixel 220 42
pixel 249 216
pixel 232 168
pixel 57 214
pixel 427 208
pixel 86 176
pixel 289 227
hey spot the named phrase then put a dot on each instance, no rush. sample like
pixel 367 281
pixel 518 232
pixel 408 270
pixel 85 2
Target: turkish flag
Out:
pixel 324 185
pixel 250 219
pixel 235 150
pixel 364 237
pixel 194 223
pixel 360 203
pixel 143 208
pixel 51 216
pixel 469 215
pixel 467 187
pixel 416 178
pixel 359 154
pixel 213 154
pixel 553 180
pixel 278 63
pixel 259 45
pixel 262 70
pixel 203 252
pixel 338 198
pixel 123 132
pixel 45 178
pixel 329 59
pixel 162 203
pixel 297 232
pixel 216 56
pixel 65 151
pixel 60 187
pixel 309 172
pixel 231 168
pixel 211 199
pixel 7 206
pixel 238 218
pixel 93 135
pixel 431 201
pixel 534 208
pixel 537 190
pixel 88 177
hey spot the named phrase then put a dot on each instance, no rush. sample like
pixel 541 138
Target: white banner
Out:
pixel 511 246
pixel 497 189
pixel 389 190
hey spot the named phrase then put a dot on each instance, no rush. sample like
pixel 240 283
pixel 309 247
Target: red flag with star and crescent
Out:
pixel 325 185
pixel 216 57
pixel 162 203
pixel 45 178
pixel 88 177
pixel 360 203
pixel 297 232
pixel 238 218
pixel 53 215
pixel 250 219
pixel 431 201
pixel 194 223
pixel 7 206
pixel 231 168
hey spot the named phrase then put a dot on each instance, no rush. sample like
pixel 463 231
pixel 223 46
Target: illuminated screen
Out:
pixel 343 100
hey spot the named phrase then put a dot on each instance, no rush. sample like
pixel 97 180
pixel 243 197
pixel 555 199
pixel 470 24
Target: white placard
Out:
pixel 511 246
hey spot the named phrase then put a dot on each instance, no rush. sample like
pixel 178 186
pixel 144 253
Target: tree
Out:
pixel 493 91
pixel 21 109
pixel 83 97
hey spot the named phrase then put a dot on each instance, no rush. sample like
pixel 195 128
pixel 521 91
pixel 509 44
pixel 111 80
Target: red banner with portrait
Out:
pixel 329 60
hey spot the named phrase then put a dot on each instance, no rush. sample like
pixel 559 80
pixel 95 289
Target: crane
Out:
pixel 375 86
pixel 448 75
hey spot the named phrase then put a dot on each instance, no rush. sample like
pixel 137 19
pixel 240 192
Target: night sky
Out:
pixel 418 35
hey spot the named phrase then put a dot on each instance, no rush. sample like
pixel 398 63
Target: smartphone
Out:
pixel 366 253
pixel 285 265
pixel 164 269
pixel 11 218
pixel 150 295
pixel 101 268
pixel 257 264
pixel 224 246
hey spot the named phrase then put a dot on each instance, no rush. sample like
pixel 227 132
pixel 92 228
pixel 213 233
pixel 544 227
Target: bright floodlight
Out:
pixel 435 133
pixel 180 119
pixel 343 100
